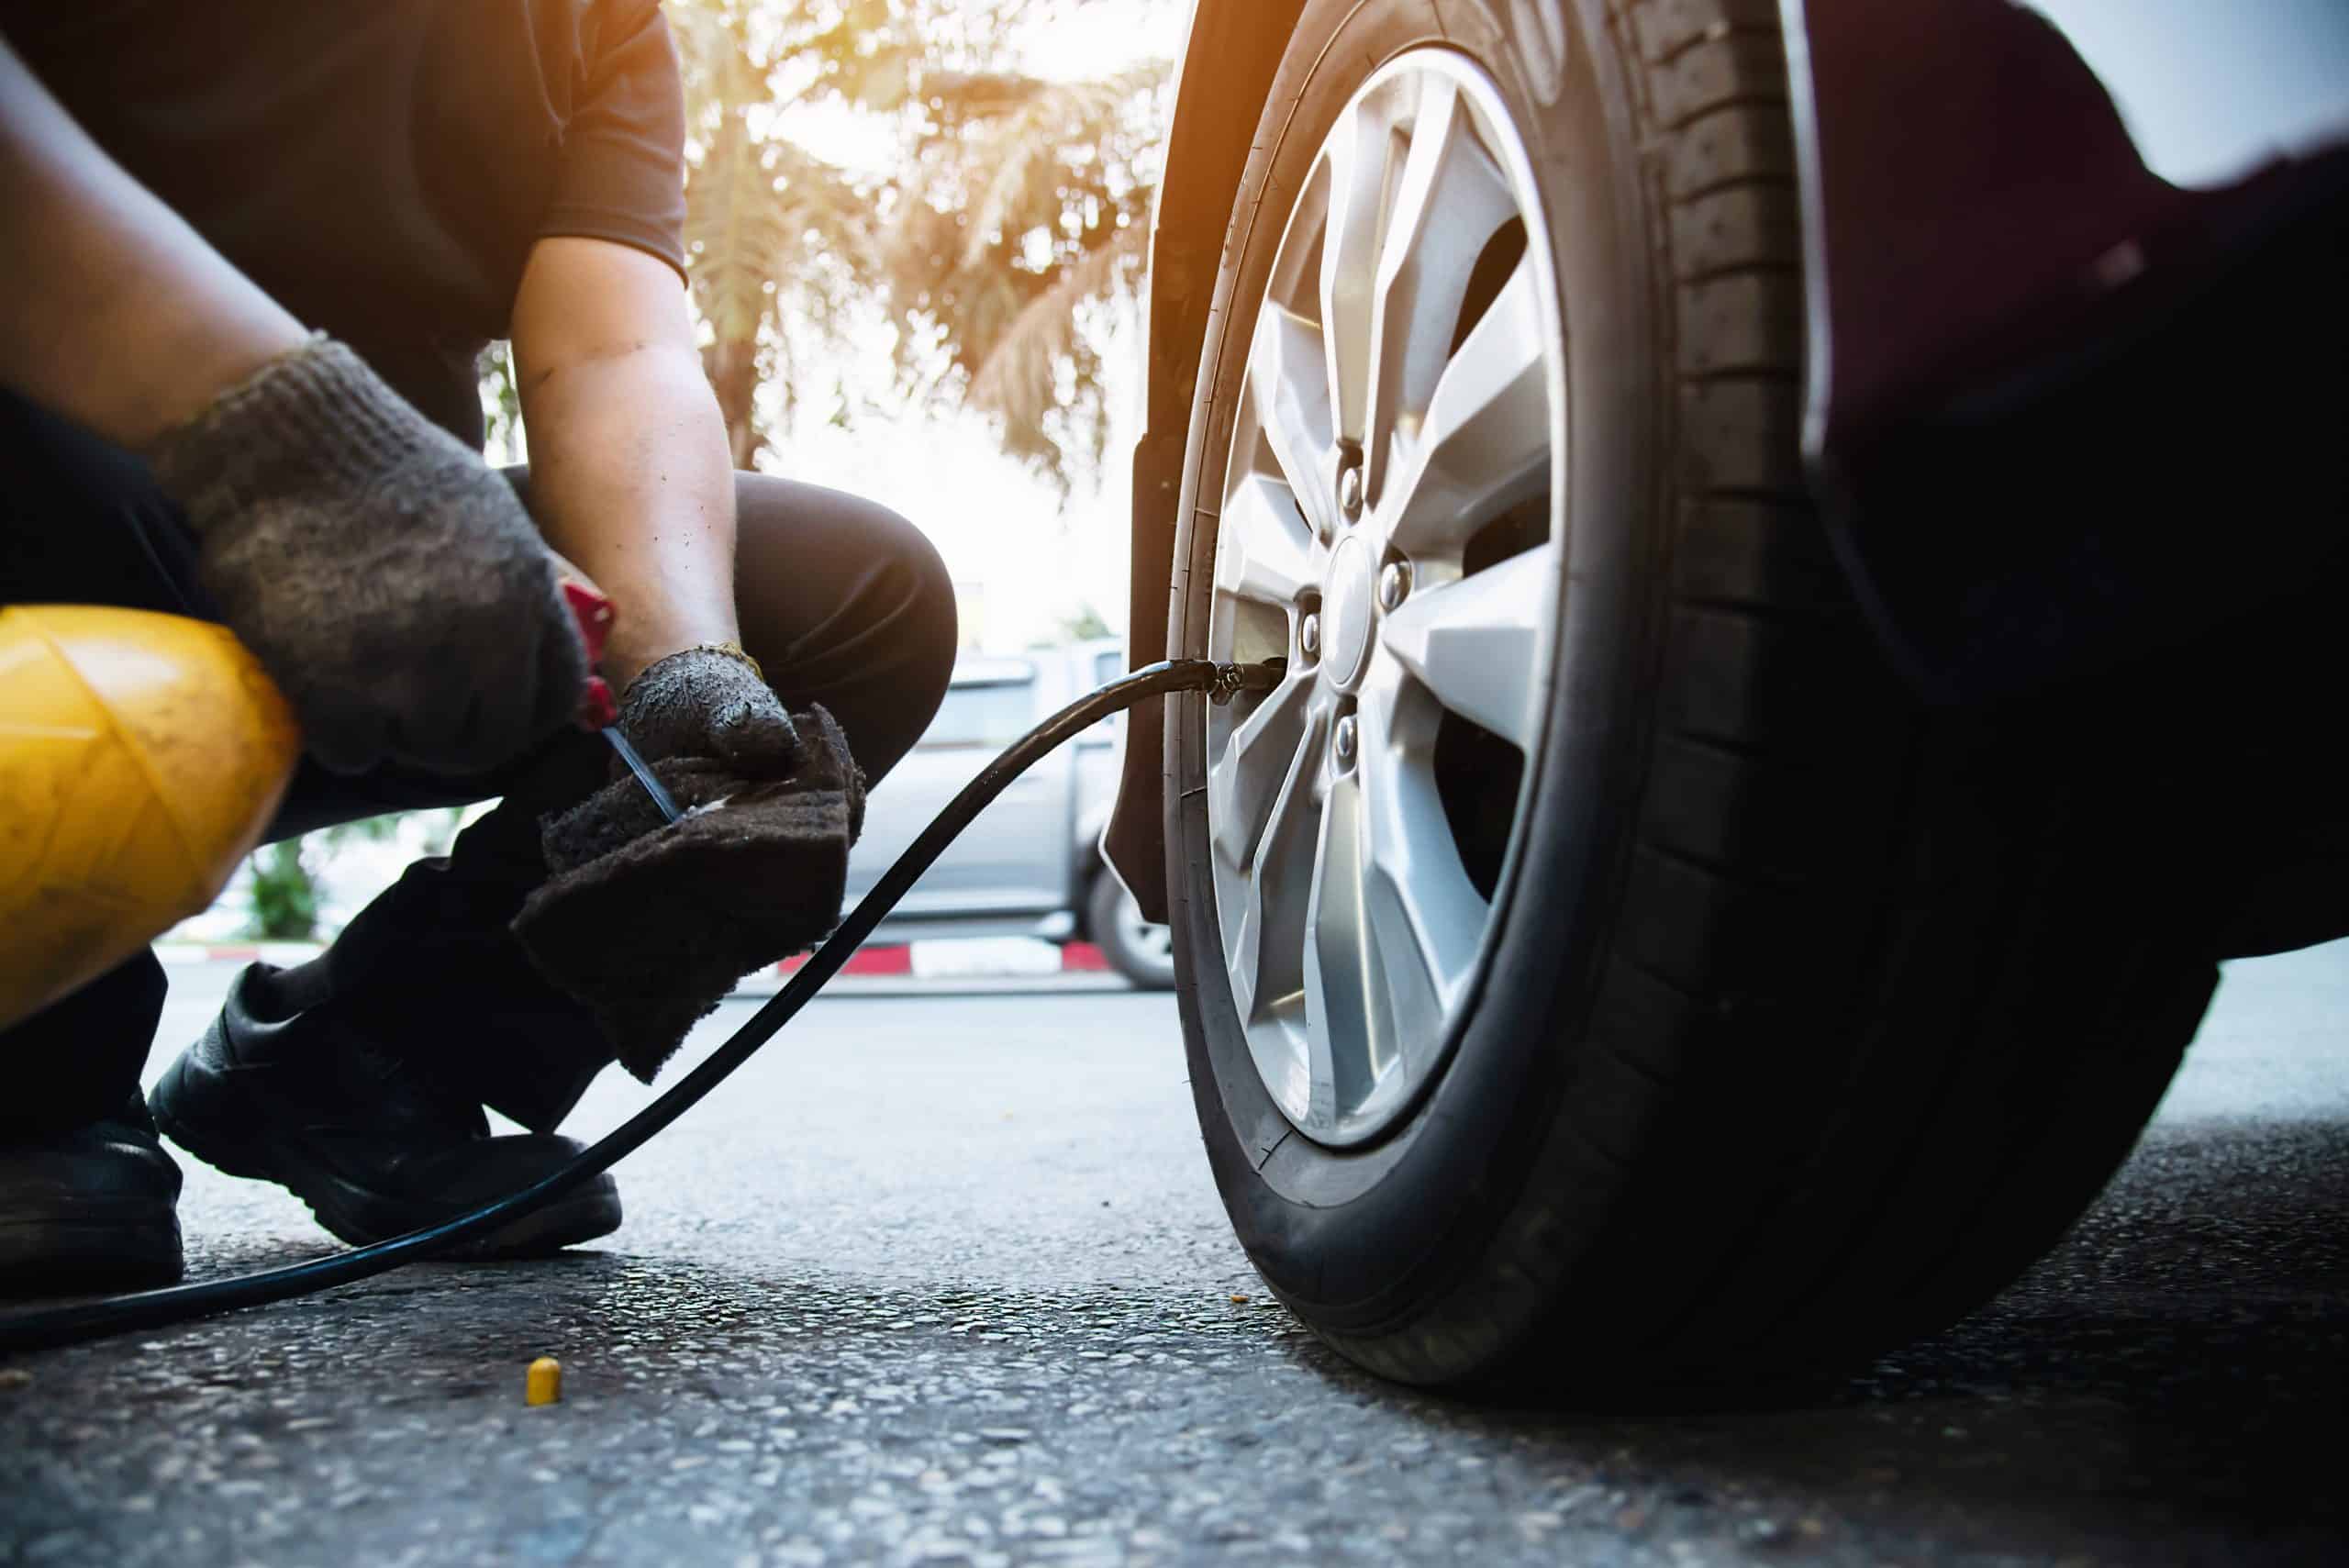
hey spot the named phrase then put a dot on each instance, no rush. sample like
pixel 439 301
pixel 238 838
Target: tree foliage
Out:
pixel 284 890
pixel 1020 205
pixel 285 895
pixel 778 242
pixel 1025 204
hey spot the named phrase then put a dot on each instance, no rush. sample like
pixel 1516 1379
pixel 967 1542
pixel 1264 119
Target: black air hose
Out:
pixel 179 1304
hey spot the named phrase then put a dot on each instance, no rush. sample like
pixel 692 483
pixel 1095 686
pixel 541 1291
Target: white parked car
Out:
pixel 1030 866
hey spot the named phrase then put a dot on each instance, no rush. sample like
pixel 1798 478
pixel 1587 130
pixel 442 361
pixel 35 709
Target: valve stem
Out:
pixel 1230 680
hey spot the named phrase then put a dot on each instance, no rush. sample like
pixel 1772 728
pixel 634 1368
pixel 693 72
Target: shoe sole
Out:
pixel 111 1244
pixel 197 1109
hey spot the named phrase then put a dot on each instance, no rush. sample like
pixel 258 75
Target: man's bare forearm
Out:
pixel 630 475
pixel 115 312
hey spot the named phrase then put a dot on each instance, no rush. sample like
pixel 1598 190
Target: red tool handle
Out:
pixel 594 614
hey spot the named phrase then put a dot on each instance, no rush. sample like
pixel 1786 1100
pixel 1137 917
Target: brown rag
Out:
pixel 650 923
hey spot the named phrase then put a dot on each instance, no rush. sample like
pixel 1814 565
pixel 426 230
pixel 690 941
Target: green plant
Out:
pixel 284 881
pixel 501 404
pixel 1085 626
pixel 286 900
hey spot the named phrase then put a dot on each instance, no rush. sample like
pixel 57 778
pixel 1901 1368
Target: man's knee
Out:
pixel 928 597
pixel 847 603
pixel 914 618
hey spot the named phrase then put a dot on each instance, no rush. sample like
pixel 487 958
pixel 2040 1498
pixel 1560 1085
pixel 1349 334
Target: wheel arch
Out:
pixel 1216 113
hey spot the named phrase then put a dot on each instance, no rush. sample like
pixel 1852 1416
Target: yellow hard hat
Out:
pixel 141 757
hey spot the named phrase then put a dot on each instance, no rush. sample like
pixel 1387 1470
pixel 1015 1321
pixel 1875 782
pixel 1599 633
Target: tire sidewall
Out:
pixel 1362 1239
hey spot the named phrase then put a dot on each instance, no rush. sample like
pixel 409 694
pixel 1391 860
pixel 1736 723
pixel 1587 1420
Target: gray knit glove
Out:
pixel 384 575
pixel 710 703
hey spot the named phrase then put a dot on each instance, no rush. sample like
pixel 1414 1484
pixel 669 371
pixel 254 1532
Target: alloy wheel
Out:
pixel 1390 524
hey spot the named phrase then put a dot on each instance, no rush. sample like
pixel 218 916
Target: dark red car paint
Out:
pixel 1976 210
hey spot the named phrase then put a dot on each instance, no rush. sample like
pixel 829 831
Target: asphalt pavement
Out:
pixel 942 1278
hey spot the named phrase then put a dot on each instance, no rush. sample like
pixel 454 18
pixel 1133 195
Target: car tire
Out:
pixel 1806 1016
pixel 1137 948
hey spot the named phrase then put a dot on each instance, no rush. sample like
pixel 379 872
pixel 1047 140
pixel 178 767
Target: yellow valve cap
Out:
pixel 542 1384
pixel 141 758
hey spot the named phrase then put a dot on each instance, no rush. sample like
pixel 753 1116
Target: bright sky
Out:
pixel 1024 563
pixel 1103 34
pixel 2211 89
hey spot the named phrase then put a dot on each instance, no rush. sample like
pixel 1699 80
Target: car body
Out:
pixel 1794 544
pixel 1946 267
pixel 1028 865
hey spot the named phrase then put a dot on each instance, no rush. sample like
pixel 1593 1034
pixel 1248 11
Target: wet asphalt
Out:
pixel 942 1279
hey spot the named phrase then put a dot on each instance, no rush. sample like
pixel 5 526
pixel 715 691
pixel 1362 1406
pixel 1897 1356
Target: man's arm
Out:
pixel 281 452
pixel 115 312
pixel 630 475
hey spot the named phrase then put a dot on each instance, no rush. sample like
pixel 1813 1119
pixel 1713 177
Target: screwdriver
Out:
pixel 643 772
pixel 597 712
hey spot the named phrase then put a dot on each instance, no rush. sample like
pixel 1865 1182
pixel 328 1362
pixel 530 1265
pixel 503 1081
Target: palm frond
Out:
pixel 1029 148
pixel 1021 200
pixel 773 234
pixel 1018 380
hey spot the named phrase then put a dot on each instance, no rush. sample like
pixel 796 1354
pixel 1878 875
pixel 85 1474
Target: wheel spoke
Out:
pixel 1449 203
pixel 1360 151
pixel 1295 278
pixel 1424 916
pixel 1484 445
pixel 1244 784
pixel 1476 643
pixel 1341 1043
pixel 1264 548
pixel 1268 948
pixel 1289 396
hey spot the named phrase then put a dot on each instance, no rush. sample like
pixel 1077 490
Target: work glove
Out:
pixel 650 923
pixel 388 579
pixel 712 703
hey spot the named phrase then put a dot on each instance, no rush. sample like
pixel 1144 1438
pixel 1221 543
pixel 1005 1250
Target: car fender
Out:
pixel 2036 224
pixel 1944 253
pixel 1232 49
pixel 2058 140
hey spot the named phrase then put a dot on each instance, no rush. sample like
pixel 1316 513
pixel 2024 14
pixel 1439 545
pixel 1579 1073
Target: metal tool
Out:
pixel 643 772
pixel 596 710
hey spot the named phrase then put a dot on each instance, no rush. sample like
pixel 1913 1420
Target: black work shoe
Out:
pixel 310 1102
pixel 91 1208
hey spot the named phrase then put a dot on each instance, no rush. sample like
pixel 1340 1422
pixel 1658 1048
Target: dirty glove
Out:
pixel 650 923
pixel 386 578
pixel 710 702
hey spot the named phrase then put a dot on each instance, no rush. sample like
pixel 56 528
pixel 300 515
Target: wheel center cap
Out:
pixel 1345 612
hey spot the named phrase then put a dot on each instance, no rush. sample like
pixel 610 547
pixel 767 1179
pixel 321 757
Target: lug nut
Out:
pixel 1309 637
pixel 1349 490
pixel 1346 740
pixel 1394 584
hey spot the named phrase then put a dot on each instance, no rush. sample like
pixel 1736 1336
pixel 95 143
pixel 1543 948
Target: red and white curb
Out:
pixel 283 955
pixel 965 958
pixel 969 958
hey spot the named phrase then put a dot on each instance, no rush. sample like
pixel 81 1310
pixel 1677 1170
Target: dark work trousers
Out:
pixel 841 601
